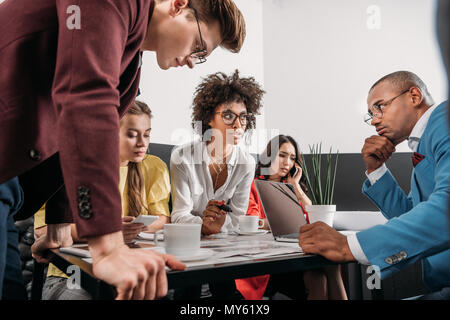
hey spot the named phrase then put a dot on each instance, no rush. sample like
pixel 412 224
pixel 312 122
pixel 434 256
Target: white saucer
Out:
pixel 149 236
pixel 157 249
pixel 202 254
pixel 251 233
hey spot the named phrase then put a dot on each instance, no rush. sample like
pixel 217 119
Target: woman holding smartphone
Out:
pixel 280 162
pixel 144 186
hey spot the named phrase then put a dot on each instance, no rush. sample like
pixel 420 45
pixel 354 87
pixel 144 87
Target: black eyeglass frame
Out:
pixel 247 117
pixel 199 54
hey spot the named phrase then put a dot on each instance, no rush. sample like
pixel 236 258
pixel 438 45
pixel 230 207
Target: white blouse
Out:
pixel 192 185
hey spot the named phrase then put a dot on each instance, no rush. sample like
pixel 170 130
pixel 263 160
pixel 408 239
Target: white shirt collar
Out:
pixel 419 128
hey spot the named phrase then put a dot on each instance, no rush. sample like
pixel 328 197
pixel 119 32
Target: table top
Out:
pixel 233 257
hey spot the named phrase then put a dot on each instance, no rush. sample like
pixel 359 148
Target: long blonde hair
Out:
pixel 135 180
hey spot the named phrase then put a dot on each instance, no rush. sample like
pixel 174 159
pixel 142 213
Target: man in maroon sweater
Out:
pixel 69 71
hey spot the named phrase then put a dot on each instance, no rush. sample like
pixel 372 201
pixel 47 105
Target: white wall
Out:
pixel 316 59
pixel 169 93
pixel 321 58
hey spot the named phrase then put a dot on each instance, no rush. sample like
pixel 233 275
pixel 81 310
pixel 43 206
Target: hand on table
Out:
pixel 57 236
pixel 136 274
pixel 213 217
pixel 319 238
pixel 376 151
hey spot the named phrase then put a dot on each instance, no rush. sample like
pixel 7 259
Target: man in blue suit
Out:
pixel 400 108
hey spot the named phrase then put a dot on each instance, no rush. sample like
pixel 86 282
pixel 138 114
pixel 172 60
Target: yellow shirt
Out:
pixel 156 195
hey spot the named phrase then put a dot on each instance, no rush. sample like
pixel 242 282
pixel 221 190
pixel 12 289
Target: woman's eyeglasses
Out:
pixel 229 117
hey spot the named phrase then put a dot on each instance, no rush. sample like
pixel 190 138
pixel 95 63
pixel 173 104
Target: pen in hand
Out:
pixel 226 207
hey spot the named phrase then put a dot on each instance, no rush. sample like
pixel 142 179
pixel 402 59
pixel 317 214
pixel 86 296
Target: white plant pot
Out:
pixel 324 213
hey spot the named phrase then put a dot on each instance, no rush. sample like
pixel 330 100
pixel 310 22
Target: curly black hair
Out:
pixel 218 88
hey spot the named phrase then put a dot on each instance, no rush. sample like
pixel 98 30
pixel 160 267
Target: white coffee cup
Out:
pixel 180 239
pixel 250 223
pixel 324 213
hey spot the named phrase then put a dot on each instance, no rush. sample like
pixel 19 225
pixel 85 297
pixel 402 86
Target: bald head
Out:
pixel 403 80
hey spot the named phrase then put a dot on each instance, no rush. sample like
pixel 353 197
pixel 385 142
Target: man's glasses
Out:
pixel 229 117
pixel 198 56
pixel 377 109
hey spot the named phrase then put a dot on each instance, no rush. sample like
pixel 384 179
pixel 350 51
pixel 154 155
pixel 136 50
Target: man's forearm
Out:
pixel 103 245
pixel 57 236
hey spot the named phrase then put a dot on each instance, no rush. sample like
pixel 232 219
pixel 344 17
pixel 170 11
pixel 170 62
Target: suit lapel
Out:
pixel 422 178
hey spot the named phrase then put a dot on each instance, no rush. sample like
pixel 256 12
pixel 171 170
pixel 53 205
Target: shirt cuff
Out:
pixel 356 249
pixel 376 175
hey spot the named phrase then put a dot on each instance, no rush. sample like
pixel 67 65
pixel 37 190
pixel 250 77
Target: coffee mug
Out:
pixel 323 213
pixel 250 223
pixel 180 239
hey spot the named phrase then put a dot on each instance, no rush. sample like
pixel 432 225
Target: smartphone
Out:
pixel 146 220
pixel 294 170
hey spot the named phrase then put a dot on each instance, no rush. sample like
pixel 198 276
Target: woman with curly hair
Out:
pixel 214 171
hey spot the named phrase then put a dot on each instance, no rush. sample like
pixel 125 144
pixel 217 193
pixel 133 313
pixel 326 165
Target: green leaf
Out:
pixel 320 194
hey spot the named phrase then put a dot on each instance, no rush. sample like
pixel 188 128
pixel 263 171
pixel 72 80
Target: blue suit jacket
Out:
pixel 418 223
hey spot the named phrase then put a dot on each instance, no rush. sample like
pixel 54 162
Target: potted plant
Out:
pixel 321 188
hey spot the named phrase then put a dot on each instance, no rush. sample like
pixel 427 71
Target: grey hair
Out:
pixel 402 80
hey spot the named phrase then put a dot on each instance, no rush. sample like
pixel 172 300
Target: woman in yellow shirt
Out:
pixel 144 186
pixel 144 179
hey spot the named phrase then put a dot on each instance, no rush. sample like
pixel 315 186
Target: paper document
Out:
pixel 255 248
pixel 149 236
pixel 227 249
